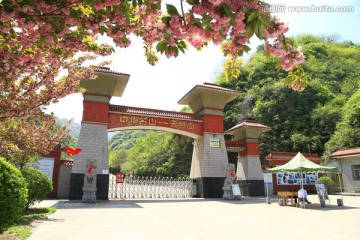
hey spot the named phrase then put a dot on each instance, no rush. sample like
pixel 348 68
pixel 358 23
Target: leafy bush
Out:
pixel 38 185
pixel 13 193
pixel 327 181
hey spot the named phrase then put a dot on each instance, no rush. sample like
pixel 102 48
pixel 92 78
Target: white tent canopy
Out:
pixel 300 164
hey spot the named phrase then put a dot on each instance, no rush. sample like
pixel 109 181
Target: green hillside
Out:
pixel 125 139
pixel 71 139
pixel 323 118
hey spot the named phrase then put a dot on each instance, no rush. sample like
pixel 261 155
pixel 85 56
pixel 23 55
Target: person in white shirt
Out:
pixel 302 194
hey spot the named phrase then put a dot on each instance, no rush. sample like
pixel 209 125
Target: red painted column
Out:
pixel 213 123
pixel 56 154
pixel 251 148
pixel 95 111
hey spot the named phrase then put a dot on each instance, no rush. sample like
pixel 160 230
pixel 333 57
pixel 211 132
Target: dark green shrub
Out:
pixel 327 181
pixel 13 193
pixel 38 185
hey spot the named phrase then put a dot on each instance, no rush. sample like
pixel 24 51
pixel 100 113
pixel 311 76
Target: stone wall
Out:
pixel 249 167
pixel 208 166
pixel 93 141
pixel 94 144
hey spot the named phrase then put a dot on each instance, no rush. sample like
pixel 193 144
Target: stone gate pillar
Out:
pixel 93 139
pixel 209 160
pixel 249 172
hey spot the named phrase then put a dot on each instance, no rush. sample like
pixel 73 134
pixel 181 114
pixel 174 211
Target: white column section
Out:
pixel 198 155
pixel 93 141
pixel 249 168
pixel 242 168
pixel 209 161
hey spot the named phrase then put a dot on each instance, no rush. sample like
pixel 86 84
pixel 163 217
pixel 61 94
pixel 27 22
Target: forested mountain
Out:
pixel 71 139
pixel 125 139
pixel 323 118
pixel 150 153
pixel 73 127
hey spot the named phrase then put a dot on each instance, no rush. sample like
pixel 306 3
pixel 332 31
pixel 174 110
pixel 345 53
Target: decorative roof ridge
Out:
pixel 291 153
pixel 274 155
pixel 66 162
pixel 154 112
pixel 248 123
pixel 108 70
pixel 214 86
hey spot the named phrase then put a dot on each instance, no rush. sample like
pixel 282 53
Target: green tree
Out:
pixel 116 159
pixel 178 151
pixel 13 193
pixel 301 121
pixel 160 154
pixel 38 185
pixel 25 140
pixel 327 181
pixel 125 139
pixel 347 133
pixel 143 158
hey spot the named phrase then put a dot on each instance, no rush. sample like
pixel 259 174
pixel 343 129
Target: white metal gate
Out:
pixel 148 187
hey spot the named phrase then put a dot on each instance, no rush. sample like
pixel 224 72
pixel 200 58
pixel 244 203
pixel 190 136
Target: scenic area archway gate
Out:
pixel 205 126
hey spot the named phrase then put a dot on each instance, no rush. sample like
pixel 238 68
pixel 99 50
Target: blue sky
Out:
pixel 163 85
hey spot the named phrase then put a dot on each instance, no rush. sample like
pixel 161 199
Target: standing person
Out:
pixel 302 194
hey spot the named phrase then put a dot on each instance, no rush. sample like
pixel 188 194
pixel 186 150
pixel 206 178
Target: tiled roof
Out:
pixel 286 156
pixel 108 70
pixel 249 123
pixel 346 152
pixel 214 86
pixel 208 86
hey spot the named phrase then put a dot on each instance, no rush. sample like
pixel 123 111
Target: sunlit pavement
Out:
pixel 250 218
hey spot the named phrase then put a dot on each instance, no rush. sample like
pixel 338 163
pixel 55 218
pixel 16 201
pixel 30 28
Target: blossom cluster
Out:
pixel 290 57
pixel 39 40
pixel 22 139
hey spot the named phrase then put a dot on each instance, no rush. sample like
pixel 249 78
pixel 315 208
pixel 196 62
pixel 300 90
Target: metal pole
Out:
pixel 340 181
pixel 302 183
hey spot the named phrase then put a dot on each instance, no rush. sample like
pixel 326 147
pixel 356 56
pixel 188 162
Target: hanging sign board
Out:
pixel 321 191
pixel 120 177
pixel 236 190
pixel 295 178
pixel 267 178
pixel 46 165
pixel 214 142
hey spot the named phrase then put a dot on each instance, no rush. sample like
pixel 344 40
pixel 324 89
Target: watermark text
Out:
pixel 281 8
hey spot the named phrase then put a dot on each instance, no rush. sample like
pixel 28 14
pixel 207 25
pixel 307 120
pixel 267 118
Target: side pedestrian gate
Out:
pixel 148 187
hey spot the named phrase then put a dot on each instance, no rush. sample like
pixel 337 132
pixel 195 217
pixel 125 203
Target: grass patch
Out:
pixel 22 228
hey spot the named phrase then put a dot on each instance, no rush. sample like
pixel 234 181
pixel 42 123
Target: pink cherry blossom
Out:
pixel 40 39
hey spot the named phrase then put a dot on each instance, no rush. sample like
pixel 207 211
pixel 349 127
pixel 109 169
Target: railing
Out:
pixel 148 187
pixel 153 112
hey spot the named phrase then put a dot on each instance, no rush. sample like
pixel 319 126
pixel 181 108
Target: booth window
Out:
pixel 355 172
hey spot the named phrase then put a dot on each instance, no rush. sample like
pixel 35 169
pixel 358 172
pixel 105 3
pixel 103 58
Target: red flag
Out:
pixel 72 152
